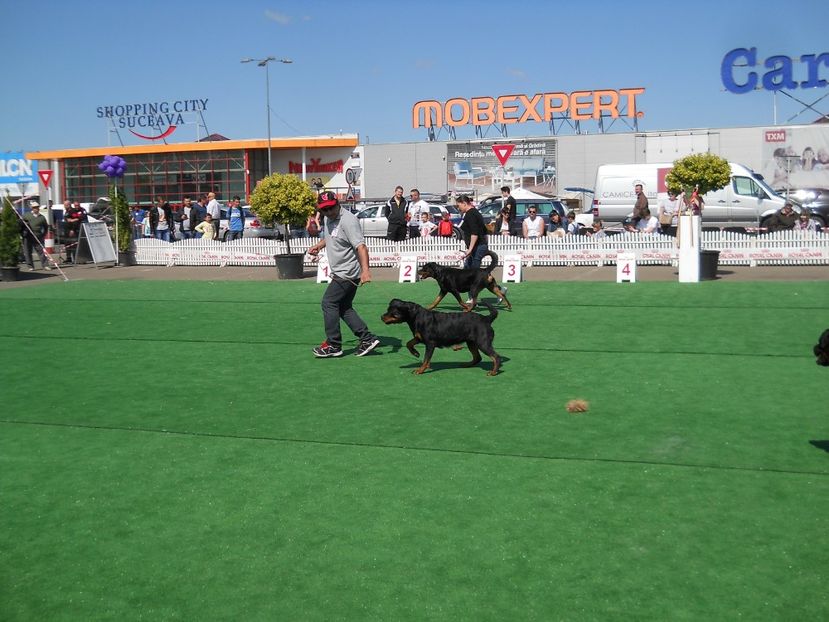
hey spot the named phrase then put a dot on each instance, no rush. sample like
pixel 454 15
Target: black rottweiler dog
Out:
pixel 457 280
pixel 440 330
pixel 822 349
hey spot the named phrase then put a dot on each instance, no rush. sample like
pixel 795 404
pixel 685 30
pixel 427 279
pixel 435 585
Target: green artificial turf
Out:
pixel 172 450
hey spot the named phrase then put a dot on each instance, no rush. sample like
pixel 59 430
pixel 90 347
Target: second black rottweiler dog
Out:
pixel 821 349
pixel 457 280
pixel 440 330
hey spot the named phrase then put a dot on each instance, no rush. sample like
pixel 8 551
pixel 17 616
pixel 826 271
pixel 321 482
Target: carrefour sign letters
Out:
pixel 740 73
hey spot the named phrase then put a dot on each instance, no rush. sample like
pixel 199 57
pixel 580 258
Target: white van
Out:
pixel 746 202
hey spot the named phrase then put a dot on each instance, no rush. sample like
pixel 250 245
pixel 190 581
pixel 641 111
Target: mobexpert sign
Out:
pixel 162 117
pixel 541 107
pixel 780 75
pixel 16 169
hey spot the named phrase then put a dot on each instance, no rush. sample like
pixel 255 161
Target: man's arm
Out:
pixel 316 248
pixel 362 257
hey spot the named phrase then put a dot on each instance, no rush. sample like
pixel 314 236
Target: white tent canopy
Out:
pixel 520 193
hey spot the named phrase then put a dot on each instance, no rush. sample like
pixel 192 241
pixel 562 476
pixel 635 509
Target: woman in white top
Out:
pixel 533 225
pixel 669 208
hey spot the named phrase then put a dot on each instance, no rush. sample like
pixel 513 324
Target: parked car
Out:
pixel 375 225
pixel 815 199
pixel 491 207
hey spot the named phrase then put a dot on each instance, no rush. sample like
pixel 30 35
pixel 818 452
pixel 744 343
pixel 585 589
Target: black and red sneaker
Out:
pixel 324 350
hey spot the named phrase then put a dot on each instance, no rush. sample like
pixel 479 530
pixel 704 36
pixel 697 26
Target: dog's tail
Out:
pixel 493 312
pixel 493 261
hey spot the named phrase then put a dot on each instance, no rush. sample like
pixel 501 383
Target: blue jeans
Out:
pixel 162 234
pixel 474 260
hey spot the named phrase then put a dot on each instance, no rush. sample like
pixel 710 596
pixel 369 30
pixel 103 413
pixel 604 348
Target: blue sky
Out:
pixel 360 66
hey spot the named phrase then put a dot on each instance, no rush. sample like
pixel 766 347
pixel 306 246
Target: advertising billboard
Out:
pixel 18 174
pixel 475 166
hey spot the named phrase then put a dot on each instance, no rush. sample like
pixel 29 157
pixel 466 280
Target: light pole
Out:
pixel 263 62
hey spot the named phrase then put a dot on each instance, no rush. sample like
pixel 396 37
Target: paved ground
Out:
pixel 569 273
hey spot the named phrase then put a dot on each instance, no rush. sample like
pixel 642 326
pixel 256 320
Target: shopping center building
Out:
pixel 171 171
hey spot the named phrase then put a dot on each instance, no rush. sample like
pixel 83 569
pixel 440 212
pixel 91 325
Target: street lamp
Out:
pixel 263 62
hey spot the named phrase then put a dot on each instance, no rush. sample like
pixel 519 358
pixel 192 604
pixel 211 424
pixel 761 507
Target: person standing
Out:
pixel 137 220
pixel 505 220
pixel 33 234
pixel 417 206
pixel 161 219
pixel 669 213
pixel 215 211
pixel 73 218
pixel 198 212
pixel 235 220
pixel 184 223
pixel 641 204
pixel 474 233
pixel 395 212
pixel 348 261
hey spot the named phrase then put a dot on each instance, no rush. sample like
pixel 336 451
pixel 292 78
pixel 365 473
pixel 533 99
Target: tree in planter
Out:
pixel 9 235
pixel 283 199
pixel 699 173
pixel 121 210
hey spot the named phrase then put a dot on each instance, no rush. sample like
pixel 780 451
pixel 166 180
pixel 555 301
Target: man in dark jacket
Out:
pixel 641 204
pixel 784 218
pixel 395 211
pixel 73 218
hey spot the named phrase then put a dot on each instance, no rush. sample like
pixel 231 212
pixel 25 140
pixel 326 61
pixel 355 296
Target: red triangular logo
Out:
pixel 503 152
pixel 45 177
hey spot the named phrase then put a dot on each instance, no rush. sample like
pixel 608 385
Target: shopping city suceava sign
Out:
pixel 539 108
pixel 155 120
pixel 741 71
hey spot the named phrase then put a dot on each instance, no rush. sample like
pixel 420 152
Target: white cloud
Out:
pixel 279 18
pixel 517 73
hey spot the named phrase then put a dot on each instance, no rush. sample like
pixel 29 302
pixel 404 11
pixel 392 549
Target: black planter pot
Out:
pixel 290 266
pixel 10 273
pixel 126 258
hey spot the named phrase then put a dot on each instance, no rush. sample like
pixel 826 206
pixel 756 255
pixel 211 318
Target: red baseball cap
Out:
pixel 327 199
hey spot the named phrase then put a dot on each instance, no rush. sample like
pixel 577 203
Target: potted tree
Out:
pixel 695 175
pixel 698 174
pixel 284 199
pixel 9 242
pixel 123 226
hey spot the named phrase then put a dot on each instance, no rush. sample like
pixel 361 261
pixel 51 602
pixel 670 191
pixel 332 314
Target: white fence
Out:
pixel 781 248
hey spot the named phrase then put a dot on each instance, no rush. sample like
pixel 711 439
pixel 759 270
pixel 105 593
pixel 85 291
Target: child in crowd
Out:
pixel 426 224
pixel 205 228
pixel 445 228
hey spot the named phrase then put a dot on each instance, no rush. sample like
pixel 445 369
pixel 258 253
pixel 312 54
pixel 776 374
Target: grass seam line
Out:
pixel 472 452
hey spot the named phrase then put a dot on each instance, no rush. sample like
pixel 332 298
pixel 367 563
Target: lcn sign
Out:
pixel 541 107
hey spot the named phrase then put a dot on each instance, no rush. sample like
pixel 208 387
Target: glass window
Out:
pixel 746 186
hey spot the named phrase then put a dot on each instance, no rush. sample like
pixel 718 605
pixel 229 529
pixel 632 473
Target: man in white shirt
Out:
pixel 417 206
pixel 533 224
pixel 215 210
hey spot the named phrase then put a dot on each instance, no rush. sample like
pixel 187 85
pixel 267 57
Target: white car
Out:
pixel 375 225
